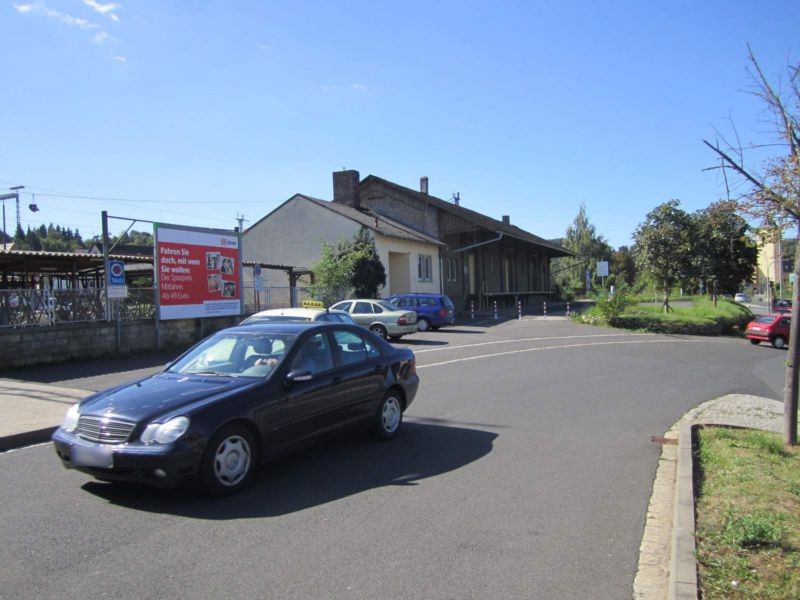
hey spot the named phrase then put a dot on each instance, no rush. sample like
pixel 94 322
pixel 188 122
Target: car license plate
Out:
pixel 92 457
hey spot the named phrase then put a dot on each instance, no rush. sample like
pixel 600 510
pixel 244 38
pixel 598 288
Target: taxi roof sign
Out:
pixel 313 304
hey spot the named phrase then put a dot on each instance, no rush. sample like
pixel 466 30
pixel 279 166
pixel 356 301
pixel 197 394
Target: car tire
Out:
pixel 379 330
pixel 389 417
pixel 423 324
pixel 395 338
pixel 778 342
pixel 755 342
pixel 229 461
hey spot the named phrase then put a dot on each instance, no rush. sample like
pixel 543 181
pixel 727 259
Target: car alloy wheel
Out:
pixel 230 460
pixel 423 324
pixel 778 342
pixel 390 416
pixel 379 330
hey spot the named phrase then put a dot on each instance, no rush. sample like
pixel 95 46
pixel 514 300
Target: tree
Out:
pixel 725 254
pixel 623 265
pixel 664 247
pixel 333 272
pixel 369 273
pixel 772 193
pixel 349 267
pixel 583 239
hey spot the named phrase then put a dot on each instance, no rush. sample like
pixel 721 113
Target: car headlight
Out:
pixel 165 433
pixel 71 418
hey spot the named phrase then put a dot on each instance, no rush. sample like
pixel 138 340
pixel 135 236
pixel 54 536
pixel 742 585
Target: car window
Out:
pixel 342 318
pixel 784 322
pixel 447 302
pixel 345 306
pixel 326 317
pixel 402 302
pixel 314 355
pixel 427 302
pixel 354 348
pixel 362 308
pixel 386 306
pixel 235 355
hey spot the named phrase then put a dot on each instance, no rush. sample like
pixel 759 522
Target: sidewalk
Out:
pixel 32 411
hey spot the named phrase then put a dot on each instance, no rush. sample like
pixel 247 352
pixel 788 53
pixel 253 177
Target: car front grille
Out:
pixel 103 429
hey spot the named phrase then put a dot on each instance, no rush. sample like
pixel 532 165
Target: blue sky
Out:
pixel 194 112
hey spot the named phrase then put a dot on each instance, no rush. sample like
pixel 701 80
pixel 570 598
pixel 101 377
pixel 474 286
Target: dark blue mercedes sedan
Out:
pixel 237 398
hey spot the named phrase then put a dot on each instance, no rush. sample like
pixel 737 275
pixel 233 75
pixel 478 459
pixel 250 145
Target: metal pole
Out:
pixel 495 310
pixel 545 310
pixel 472 309
pixel 105 262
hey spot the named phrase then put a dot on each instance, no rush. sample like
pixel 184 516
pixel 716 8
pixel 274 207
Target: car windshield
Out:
pixel 387 306
pixel 240 354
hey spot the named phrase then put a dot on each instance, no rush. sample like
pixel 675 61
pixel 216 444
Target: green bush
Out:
pixel 754 530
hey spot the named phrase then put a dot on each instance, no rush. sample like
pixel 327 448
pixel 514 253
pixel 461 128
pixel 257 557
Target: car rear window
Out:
pixel 447 302
pixel 764 319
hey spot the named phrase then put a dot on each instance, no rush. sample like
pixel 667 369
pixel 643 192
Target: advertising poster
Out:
pixel 199 272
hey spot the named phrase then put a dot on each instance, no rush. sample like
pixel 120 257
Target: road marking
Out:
pixel 536 339
pixel 485 356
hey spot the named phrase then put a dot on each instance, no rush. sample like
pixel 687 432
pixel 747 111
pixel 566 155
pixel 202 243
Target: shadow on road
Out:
pixel 327 473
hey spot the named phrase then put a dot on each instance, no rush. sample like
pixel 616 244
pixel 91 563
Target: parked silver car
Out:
pixel 380 317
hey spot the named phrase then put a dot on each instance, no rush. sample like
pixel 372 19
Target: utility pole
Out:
pixel 16 190
pixel 241 220
pixel 3 198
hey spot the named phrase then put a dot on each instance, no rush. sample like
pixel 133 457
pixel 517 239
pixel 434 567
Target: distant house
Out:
pixel 425 243
pixel 482 259
pixel 293 233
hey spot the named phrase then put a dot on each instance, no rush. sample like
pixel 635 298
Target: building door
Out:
pixel 399 273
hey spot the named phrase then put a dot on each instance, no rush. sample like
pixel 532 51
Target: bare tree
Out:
pixel 773 193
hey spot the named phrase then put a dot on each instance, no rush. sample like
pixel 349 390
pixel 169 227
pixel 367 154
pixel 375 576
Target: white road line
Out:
pixel 536 339
pixel 485 356
pixel 13 450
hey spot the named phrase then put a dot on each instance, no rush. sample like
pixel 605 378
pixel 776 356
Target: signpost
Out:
pixel 198 272
pixel 116 279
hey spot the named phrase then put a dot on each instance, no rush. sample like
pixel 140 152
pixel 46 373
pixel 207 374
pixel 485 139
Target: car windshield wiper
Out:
pixel 215 373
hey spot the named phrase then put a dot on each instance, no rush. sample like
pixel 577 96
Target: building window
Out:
pixel 450 268
pixel 424 267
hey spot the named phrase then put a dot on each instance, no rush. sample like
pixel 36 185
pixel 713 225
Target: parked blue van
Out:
pixel 433 310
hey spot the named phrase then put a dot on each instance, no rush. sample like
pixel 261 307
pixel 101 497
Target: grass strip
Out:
pixel 748 515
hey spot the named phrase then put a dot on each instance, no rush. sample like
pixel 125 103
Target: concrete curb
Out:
pixel 683 563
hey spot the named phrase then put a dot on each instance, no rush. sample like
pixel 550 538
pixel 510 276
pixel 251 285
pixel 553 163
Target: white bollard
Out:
pixel 472 309
pixel 495 310
pixel 567 309
pixel 519 309
pixel 545 310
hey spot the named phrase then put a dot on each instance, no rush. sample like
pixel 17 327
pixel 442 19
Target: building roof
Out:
pixel 377 222
pixel 472 216
pixel 368 218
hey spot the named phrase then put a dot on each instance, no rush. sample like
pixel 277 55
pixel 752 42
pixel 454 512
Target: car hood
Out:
pixel 162 393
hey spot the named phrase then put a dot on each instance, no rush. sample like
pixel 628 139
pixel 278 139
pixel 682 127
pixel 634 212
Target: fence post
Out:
pixel 519 309
pixel 472 309
pixel 567 308
pixel 495 310
pixel 545 310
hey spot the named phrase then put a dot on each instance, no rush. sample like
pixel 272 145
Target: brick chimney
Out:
pixel 506 219
pixel 423 185
pixel 345 188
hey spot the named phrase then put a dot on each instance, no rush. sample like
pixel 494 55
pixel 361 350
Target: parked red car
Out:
pixel 769 328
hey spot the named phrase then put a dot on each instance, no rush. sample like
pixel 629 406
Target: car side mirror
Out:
pixel 294 376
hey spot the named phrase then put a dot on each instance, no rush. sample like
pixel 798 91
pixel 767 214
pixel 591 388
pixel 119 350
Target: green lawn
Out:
pixel 748 515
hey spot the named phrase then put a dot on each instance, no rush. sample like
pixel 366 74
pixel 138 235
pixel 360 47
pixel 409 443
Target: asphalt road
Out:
pixel 524 471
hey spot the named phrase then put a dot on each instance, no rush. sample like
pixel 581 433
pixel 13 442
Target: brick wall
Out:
pixel 63 342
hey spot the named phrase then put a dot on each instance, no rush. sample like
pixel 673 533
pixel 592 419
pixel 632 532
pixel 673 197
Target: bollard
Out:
pixel 567 309
pixel 472 309
pixel 545 310
pixel 495 310
pixel 519 309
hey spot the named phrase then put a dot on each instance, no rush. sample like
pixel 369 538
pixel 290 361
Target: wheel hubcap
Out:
pixel 232 460
pixel 391 415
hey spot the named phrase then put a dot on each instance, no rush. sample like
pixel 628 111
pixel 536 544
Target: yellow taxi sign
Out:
pixel 313 304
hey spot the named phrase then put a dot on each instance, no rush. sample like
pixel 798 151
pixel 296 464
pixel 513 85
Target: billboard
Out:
pixel 198 272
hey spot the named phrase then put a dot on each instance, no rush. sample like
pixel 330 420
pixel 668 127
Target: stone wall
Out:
pixel 30 346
